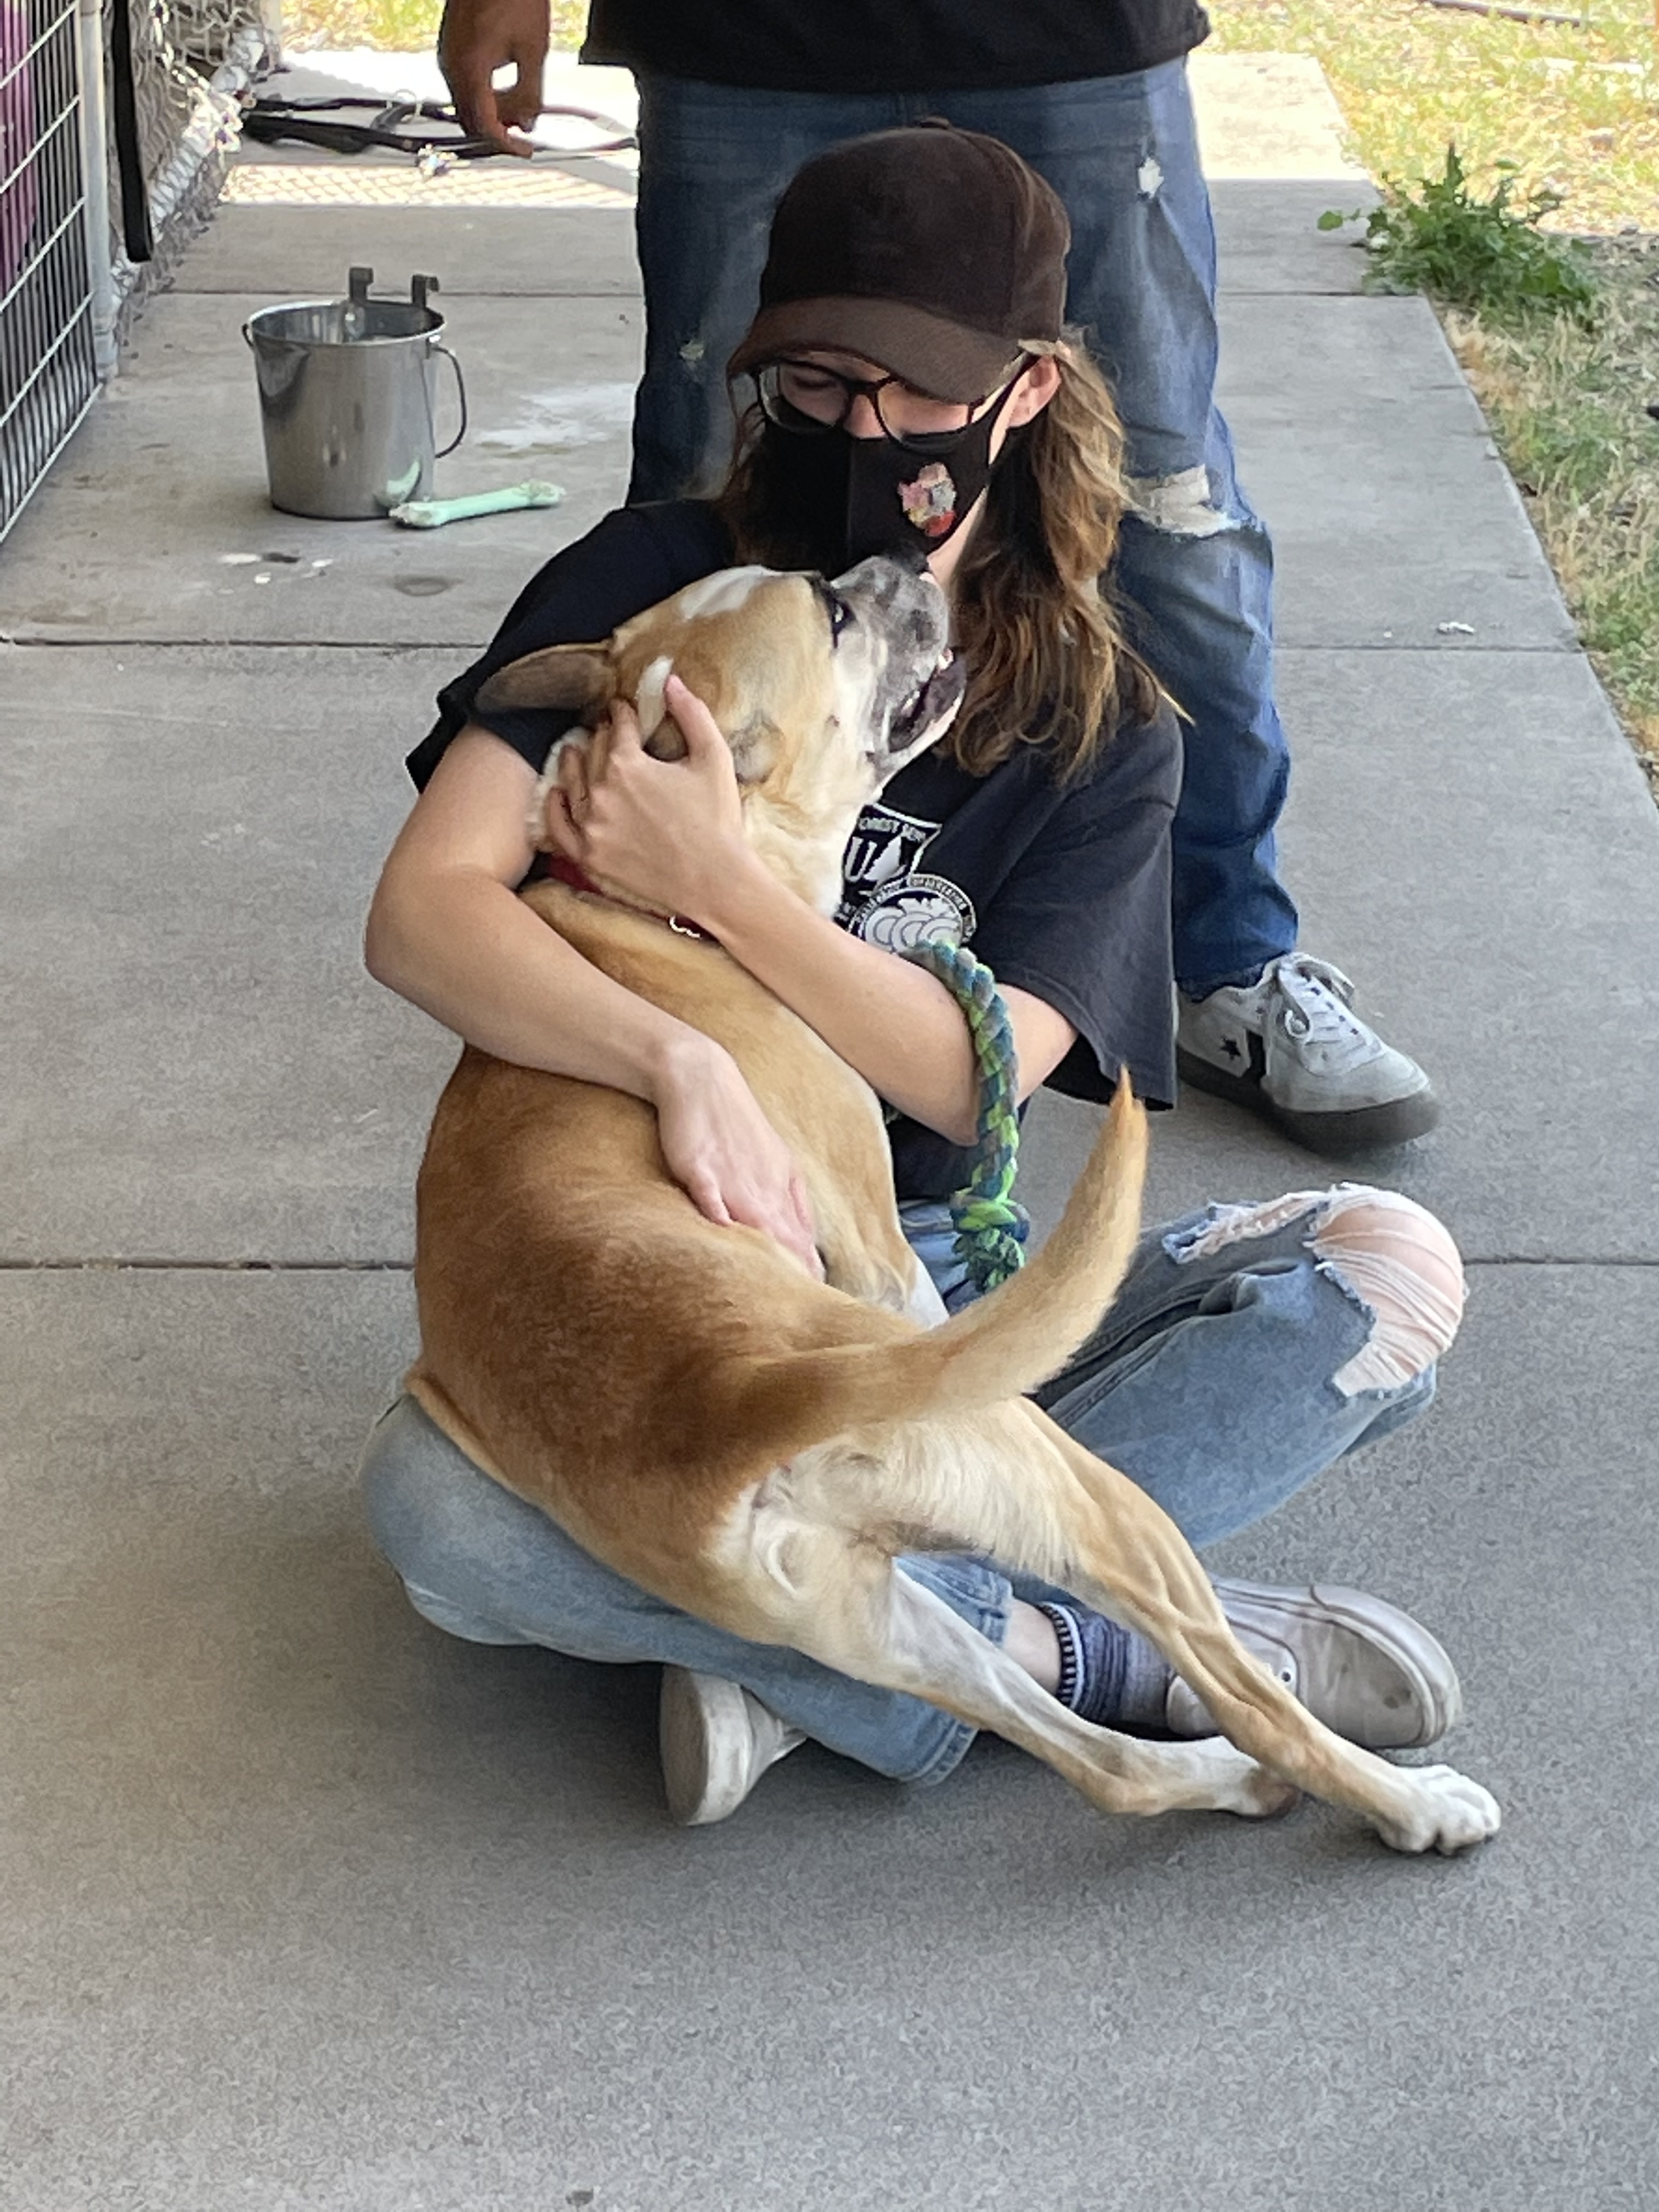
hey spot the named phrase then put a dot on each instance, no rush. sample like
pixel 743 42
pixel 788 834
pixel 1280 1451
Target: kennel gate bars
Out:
pixel 118 119
pixel 48 364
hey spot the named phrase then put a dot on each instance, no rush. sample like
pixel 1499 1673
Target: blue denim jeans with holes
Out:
pixel 1194 560
pixel 1210 1381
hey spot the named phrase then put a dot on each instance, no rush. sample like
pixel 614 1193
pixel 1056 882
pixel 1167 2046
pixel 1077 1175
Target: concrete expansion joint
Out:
pixel 1565 648
pixel 104 1266
pixel 403 647
pixel 1559 1260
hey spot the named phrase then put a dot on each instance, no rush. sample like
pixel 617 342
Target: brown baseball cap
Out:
pixel 935 253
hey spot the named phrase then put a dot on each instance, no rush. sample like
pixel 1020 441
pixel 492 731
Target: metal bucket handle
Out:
pixel 419 288
pixel 461 393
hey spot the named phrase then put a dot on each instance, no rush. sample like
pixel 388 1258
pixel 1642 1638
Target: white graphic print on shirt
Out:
pixel 886 899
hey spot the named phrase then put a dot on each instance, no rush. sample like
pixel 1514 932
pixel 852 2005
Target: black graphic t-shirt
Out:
pixel 1063 890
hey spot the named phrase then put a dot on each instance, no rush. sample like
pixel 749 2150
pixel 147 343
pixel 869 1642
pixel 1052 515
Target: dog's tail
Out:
pixel 1000 1346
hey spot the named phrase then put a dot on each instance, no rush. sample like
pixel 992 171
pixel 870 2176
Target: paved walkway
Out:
pixel 312 1908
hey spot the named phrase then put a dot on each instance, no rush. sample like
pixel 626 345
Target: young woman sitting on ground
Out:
pixel 914 390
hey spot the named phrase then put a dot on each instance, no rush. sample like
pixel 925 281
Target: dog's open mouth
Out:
pixel 932 708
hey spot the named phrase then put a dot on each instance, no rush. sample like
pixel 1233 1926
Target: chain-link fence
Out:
pixel 173 124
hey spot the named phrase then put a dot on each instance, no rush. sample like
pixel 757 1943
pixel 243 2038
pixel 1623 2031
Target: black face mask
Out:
pixel 856 496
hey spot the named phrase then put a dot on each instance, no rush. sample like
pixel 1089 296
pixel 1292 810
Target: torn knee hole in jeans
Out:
pixel 1381 1250
pixel 1179 505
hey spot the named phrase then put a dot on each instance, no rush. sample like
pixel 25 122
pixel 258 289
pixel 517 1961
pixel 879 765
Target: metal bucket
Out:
pixel 346 398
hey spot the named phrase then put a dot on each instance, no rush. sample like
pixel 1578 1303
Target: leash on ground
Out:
pixel 404 127
pixel 991 1226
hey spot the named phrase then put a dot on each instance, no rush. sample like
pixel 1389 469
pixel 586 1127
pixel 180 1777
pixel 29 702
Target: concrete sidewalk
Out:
pixel 311 1907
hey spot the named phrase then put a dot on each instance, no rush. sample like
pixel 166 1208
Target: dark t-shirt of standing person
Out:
pixel 891 46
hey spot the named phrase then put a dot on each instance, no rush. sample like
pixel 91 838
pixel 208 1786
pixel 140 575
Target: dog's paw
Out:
pixel 1441 1811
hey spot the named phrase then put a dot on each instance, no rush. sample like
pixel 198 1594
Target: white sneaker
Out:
pixel 1290 1047
pixel 716 1741
pixel 1365 1668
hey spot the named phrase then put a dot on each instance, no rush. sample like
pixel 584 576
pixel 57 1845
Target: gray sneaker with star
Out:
pixel 1291 1047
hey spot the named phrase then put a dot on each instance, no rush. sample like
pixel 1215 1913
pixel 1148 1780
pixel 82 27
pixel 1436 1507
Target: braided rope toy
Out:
pixel 991 1227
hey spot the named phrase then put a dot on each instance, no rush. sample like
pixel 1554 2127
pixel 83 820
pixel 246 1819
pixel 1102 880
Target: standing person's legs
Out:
pixel 714 159
pixel 1270 1028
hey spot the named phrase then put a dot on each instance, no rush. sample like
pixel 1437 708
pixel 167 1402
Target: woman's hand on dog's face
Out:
pixel 666 832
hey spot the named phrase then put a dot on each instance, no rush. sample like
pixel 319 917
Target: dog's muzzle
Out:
pixel 900 603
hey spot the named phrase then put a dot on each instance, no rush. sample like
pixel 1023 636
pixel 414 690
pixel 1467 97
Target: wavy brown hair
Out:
pixel 1048 664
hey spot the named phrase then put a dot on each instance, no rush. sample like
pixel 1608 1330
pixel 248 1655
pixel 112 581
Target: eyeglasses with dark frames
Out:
pixel 806 399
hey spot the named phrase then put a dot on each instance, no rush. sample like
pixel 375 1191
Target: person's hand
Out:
pixel 667 833
pixel 725 1155
pixel 476 38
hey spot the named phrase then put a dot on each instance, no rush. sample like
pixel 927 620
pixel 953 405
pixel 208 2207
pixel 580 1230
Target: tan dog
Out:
pixel 754 1446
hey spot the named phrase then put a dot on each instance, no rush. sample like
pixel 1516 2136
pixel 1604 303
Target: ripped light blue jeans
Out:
pixel 1236 1364
pixel 1194 558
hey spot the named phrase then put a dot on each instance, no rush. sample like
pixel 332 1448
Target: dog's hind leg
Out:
pixel 1008 1482
pixel 844 1602
pixel 1149 1576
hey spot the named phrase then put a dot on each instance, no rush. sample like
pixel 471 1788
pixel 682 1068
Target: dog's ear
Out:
pixel 579 678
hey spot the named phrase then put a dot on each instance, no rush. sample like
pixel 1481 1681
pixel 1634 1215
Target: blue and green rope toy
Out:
pixel 991 1226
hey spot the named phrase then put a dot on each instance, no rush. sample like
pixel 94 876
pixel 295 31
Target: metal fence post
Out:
pixel 94 140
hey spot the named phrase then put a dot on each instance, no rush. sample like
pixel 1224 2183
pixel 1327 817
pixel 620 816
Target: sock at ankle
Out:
pixel 1108 1675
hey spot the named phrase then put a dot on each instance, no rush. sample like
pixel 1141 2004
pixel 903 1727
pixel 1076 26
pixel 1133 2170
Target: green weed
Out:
pixel 1483 253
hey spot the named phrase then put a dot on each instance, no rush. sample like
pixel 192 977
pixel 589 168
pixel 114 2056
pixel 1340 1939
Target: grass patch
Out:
pixel 398 27
pixel 1575 110
pixel 1567 403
